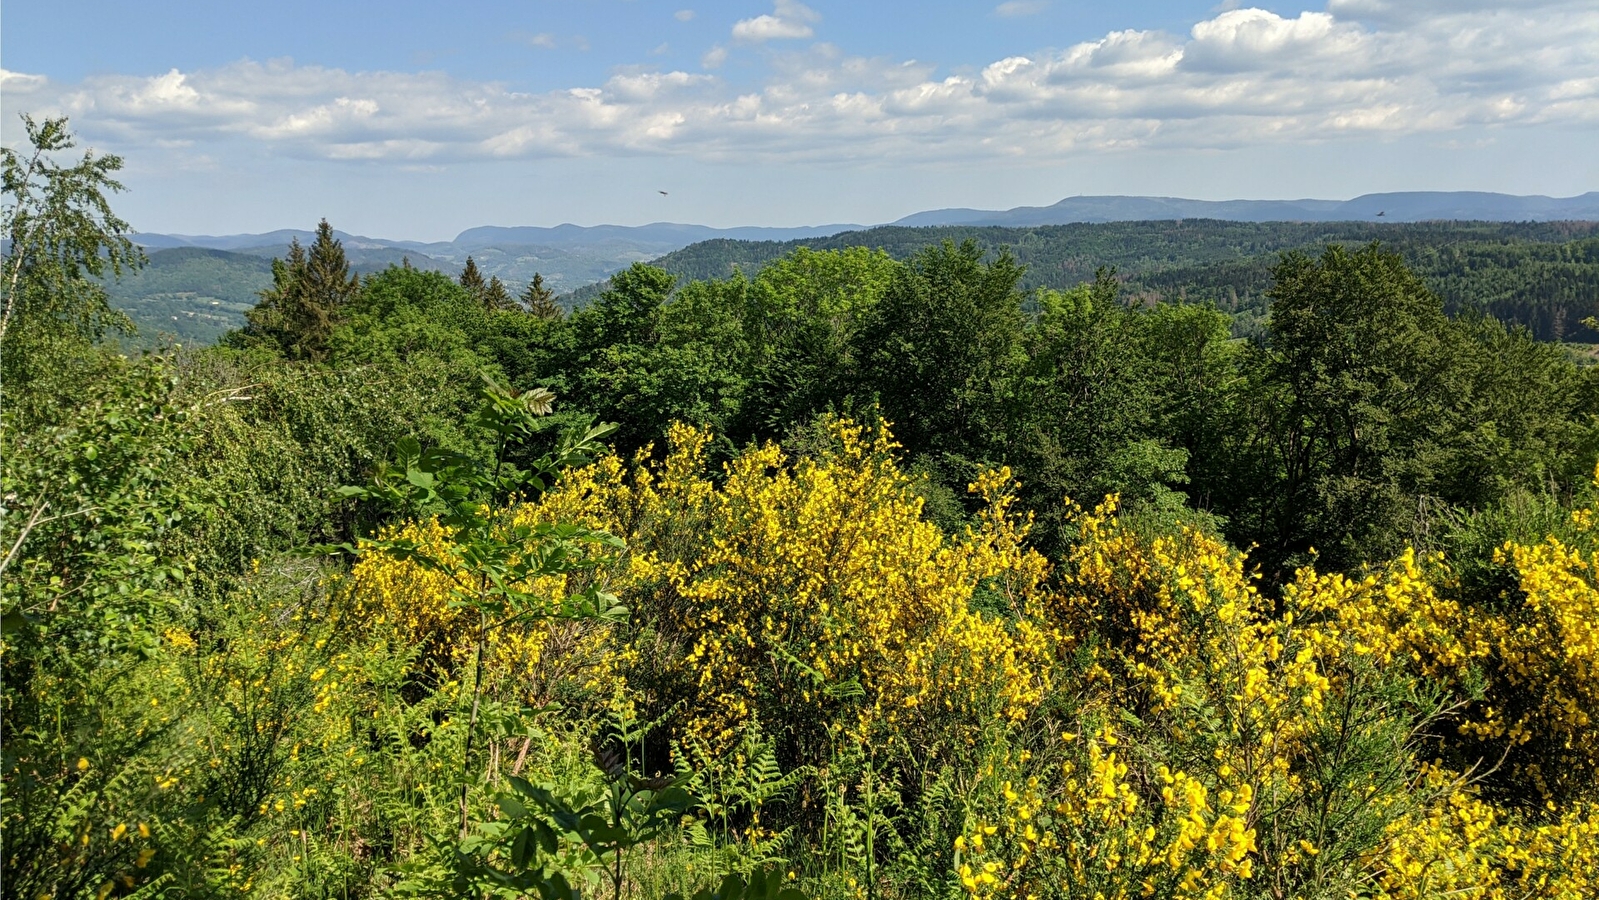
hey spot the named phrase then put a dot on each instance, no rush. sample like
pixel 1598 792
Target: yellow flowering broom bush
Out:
pixel 1190 736
pixel 1527 660
pixel 1089 829
pixel 1464 846
pixel 811 595
pixel 414 606
pixel 1542 661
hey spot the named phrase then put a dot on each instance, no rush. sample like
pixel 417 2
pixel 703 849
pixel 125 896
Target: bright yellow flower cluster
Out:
pixel 1535 648
pixel 1465 847
pixel 1091 834
pixel 1545 658
pixel 813 591
pixel 416 606
pixel 1184 637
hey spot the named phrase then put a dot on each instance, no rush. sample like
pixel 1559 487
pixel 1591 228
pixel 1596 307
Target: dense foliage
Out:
pixel 1543 275
pixel 888 578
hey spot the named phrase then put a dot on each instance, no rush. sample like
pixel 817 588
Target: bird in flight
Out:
pixel 662 193
pixel 1382 212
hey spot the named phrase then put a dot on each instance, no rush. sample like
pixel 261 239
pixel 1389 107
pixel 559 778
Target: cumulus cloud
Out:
pixel 19 83
pixel 683 15
pixel 1240 76
pixel 790 19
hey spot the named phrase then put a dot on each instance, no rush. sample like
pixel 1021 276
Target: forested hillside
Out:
pixel 1542 275
pixel 865 575
pixel 190 294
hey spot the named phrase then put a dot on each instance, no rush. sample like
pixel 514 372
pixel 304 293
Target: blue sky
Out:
pixel 417 120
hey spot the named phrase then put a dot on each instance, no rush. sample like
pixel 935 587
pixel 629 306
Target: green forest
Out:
pixel 1543 275
pixel 949 566
pixel 190 295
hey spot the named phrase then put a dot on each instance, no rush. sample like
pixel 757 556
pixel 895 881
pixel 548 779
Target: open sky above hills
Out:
pixel 417 120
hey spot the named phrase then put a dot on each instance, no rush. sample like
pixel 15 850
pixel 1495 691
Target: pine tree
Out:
pixel 495 296
pixel 540 300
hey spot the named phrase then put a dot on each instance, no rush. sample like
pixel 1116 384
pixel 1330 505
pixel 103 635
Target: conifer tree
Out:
pixel 309 291
pixel 327 272
pixel 495 296
pixel 540 300
pixel 472 278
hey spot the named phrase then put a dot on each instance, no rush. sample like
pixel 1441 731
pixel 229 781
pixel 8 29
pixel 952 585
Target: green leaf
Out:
pixel 546 837
pixel 522 848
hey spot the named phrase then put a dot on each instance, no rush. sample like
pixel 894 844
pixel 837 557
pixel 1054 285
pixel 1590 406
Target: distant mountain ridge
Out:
pixel 663 233
pixel 568 256
pixel 580 246
pixel 197 286
pixel 1405 206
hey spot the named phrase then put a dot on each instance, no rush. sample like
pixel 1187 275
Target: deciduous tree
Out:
pixel 61 237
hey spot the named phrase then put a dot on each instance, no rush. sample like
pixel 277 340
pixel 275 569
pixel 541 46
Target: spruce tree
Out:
pixel 540 300
pixel 279 316
pixel 495 296
pixel 308 294
pixel 472 278
pixel 327 272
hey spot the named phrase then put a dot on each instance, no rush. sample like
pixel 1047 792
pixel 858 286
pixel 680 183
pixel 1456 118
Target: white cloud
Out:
pixel 21 83
pixel 543 40
pixel 790 20
pixel 1239 77
pixel 683 15
pixel 1015 9
pixel 714 57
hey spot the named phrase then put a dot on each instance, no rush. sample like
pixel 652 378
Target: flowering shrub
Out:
pixel 1463 846
pixel 1086 830
pixel 413 605
pixel 1245 746
pixel 1145 721
pixel 1525 664
pixel 813 594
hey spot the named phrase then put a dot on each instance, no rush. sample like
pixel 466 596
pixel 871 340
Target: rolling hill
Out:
pixel 1542 275
pixel 197 286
